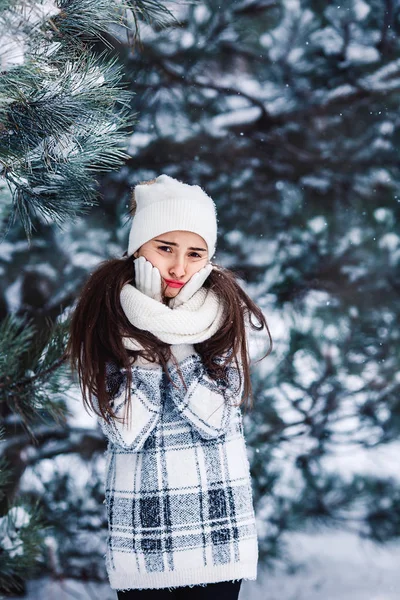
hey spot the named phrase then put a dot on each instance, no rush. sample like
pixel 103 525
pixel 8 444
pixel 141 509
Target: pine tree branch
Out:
pixel 78 439
pixel 40 375
pixel 30 374
pixel 23 450
pixel 254 7
pixel 226 90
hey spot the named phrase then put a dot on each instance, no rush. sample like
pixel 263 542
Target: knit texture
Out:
pixel 194 321
pixel 178 490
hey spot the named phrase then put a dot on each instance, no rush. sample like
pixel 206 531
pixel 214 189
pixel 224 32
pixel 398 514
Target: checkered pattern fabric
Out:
pixel 178 490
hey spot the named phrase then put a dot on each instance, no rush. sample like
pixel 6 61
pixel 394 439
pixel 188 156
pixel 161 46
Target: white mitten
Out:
pixel 147 278
pixel 192 286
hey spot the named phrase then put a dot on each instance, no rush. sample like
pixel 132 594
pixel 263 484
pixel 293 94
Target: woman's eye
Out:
pixel 166 248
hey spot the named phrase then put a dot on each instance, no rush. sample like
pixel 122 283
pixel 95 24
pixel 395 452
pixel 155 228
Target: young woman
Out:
pixel 158 339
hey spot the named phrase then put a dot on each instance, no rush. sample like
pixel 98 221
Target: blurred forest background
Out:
pixel 287 113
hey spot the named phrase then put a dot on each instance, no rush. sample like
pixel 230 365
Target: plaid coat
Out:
pixel 178 490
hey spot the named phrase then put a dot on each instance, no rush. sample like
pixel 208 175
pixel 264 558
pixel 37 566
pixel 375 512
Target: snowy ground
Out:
pixel 332 566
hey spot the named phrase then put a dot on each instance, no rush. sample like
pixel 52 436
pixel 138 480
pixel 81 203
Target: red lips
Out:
pixel 174 284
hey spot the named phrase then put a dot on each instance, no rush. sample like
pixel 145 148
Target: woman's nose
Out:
pixel 178 268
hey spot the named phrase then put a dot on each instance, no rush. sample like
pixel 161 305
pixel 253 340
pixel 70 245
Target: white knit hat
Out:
pixel 170 205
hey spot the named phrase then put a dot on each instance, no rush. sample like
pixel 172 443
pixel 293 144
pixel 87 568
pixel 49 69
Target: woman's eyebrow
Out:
pixel 177 245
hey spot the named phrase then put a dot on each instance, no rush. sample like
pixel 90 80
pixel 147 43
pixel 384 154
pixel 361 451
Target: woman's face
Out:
pixel 177 255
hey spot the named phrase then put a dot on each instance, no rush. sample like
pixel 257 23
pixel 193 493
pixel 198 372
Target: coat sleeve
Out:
pixel 145 406
pixel 207 404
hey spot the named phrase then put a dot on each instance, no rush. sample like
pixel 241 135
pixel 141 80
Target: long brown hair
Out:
pixel 99 323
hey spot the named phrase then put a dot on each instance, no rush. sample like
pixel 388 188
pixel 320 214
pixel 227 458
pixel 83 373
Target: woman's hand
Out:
pixel 148 278
pixel 191 287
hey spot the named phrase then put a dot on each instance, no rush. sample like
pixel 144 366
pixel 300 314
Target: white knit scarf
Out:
pixel 194 321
